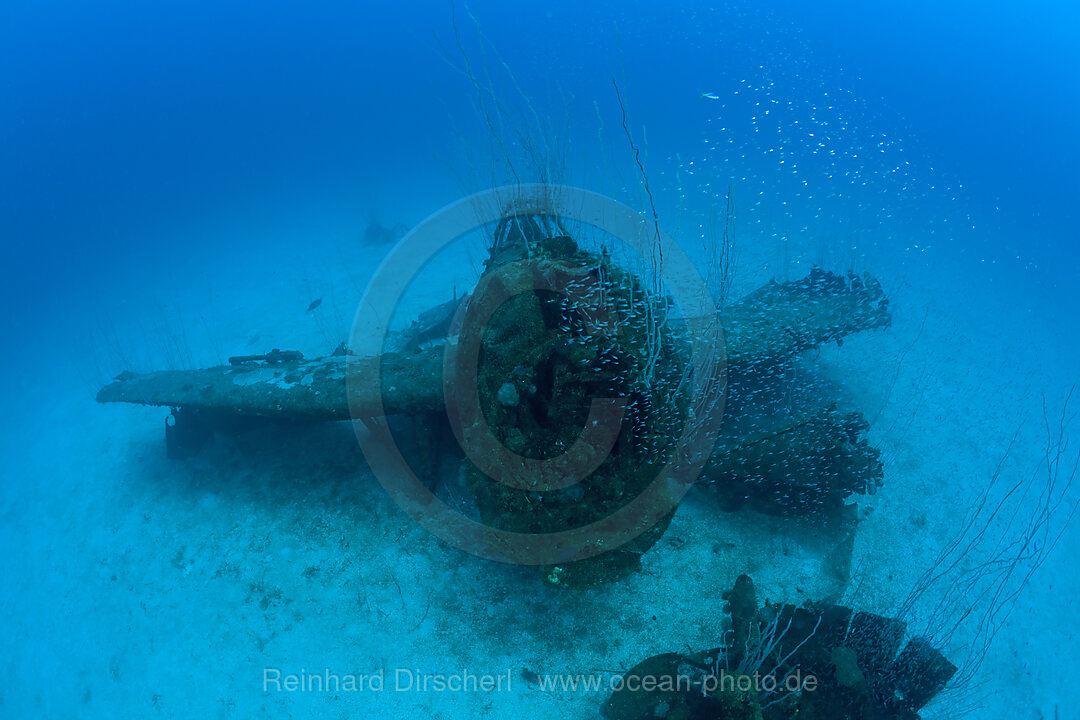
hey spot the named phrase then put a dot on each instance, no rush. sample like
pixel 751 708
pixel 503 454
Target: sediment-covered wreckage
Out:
pixel 780 661
pixel 541 359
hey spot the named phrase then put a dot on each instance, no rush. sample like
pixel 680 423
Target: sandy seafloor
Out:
pixel 136 586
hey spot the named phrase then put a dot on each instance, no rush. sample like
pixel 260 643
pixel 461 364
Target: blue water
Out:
pixel 208 169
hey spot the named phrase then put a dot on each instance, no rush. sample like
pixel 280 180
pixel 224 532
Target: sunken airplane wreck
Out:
pixel 543 357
